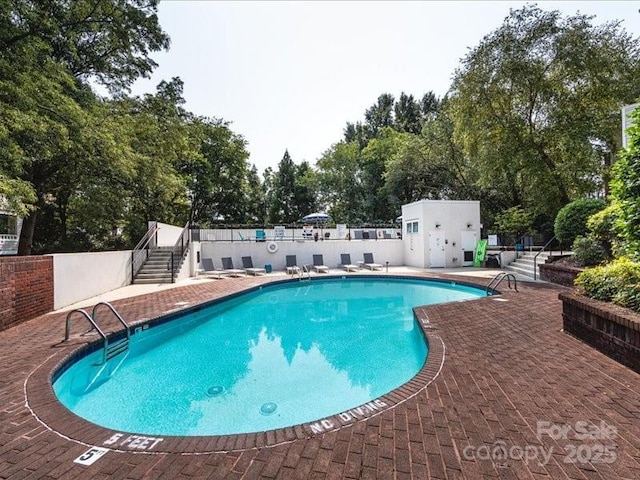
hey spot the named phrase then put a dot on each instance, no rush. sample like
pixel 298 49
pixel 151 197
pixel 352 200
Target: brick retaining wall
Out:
pixel 26 289
pixel 612 330
pixel 559 274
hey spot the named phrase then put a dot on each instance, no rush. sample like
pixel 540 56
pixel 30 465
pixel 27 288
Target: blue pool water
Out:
pixel 282 355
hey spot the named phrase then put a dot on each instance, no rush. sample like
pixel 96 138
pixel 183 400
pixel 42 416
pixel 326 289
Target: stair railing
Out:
pixel 177 252
pixel 140 253
pixel 535 259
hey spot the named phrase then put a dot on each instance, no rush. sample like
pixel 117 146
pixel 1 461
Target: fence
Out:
pixel 295 233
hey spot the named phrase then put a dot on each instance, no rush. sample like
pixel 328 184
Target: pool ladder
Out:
pixel 495 281
pixel 109 350
pixel 302 273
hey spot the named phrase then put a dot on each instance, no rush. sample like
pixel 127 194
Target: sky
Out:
pixel 289 75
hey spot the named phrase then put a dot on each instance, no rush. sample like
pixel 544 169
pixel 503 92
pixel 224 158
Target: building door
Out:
pixel 468 240
pixel 436 249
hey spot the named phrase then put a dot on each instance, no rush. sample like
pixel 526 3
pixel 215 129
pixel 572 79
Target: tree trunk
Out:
pixel 26 234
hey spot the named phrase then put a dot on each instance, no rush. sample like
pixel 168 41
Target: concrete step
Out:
pixel 515 268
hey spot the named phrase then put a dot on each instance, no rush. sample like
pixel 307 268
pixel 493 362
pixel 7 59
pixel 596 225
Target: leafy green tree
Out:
pixel 514 221
pixel 48 52
pixel 304 193
pixel 407 114
pixel 341 188
pixel 218 174
pixel 108 40
pixel 282 208
pixel 533 110
pixel 379 115
pixel 256 198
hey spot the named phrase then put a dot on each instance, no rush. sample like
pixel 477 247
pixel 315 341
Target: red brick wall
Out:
pixel 26 289
pixel 611 329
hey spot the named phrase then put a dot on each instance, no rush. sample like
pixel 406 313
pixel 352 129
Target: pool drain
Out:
pixel 215 391
pixel 268 408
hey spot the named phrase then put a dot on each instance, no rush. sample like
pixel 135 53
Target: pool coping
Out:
pixel 45 407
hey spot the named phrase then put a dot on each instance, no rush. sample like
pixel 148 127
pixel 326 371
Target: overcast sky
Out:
pixel 289 75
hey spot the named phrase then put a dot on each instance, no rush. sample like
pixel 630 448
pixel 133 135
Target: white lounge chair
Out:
pixel 318 264
pixel 345 262
pixel 247 264
pixel 369 263
pixel 227 266
pixel 209 269
pixel 292 264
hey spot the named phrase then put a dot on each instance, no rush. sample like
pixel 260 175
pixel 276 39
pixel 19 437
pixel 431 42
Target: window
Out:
pixel 412 227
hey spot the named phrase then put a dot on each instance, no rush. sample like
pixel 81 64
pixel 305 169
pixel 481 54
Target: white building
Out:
pixel 440 233
pixel 10 226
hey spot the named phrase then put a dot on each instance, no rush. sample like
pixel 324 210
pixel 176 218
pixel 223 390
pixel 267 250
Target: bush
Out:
pixel 571 220
pixel 618 282
pixel 588 251
pixel 603 227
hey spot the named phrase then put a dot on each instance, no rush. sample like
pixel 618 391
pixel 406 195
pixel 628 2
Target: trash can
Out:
pixel 268 268
pixel 492 261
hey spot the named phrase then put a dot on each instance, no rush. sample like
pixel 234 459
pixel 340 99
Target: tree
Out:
pixel 341 190
pixel 407 114
pixel 379 115
pixel 283 204
pixel 217 174
pixel 48 51
pixel 108 40
pixel 535 110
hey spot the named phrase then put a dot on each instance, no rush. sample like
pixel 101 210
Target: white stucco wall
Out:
pixel 383 251
pixel 78 276
pixel 168 234
pixel 446 219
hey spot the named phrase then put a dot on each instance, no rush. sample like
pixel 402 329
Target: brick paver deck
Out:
pixel 515 398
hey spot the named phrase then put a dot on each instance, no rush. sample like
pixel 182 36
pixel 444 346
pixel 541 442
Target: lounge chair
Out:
pixel 227 267
pixel 369 263
pixel 209 269
pixel 318 264
pixel 345 262
pixel 292 264
pixel 249 269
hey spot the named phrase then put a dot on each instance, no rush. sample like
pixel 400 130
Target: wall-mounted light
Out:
pixel 469 225
pixel 437 225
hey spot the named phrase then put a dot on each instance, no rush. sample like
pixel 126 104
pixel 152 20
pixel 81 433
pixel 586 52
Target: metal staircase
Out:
pixel 153 264
pixel 157 267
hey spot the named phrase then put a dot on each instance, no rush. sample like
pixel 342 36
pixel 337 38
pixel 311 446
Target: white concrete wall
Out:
pixel 383 251
pixel 446 218
pixel 168 234
pixel 78 276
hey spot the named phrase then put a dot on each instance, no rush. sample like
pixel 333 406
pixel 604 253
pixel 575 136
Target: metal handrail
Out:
pixel 495 281
pixel 535 259
pixel 178 250
pixel 115 312
pixel 140 252
pixel 67 332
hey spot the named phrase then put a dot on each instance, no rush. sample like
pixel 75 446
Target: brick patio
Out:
pixel 507 372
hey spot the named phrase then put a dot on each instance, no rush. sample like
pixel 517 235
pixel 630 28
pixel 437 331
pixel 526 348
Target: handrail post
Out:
pixel 172 274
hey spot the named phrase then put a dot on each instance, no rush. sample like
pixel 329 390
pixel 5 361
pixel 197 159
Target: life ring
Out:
pixel 272 247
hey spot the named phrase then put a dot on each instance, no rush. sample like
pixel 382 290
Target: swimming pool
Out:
pixel 278 356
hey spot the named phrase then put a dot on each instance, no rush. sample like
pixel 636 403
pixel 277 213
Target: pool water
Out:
pixel 279 356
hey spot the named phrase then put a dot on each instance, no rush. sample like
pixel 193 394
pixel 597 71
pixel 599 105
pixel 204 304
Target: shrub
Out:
pixel 588 251
pixel 618 282
pixel 602 226
pixel 571 220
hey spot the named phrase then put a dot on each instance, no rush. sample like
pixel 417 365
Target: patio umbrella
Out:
pixel 316 218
